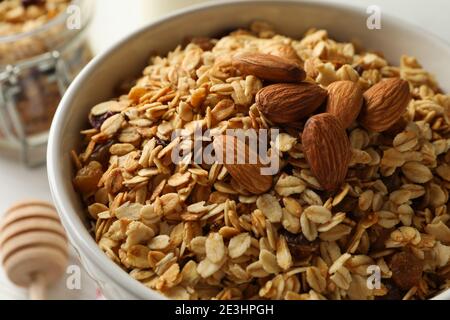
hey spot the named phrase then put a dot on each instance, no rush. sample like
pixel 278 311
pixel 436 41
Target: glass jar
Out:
pixel 36 67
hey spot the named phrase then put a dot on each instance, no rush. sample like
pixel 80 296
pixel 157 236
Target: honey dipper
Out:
pixel 33 246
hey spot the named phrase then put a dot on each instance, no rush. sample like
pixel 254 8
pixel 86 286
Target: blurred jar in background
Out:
pixel 42 48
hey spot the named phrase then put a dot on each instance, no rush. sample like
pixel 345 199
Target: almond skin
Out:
pixel 345 100
pixel 385 104
pixel 283 50
pixel 327 149
pixel 247 175
pixel 268 67
pixel 285 103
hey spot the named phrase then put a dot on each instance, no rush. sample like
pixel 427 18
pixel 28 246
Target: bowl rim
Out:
pixel 78 233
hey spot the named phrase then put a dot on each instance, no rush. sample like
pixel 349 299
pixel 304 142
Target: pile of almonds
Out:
pixel 325 141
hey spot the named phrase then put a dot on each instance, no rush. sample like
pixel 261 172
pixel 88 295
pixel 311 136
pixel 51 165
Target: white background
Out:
pixel 116 18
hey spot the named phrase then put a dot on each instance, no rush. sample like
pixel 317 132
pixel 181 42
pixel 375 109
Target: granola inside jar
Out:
pixel 42 48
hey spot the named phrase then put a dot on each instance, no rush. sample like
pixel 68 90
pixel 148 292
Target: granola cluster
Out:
pixel 191 231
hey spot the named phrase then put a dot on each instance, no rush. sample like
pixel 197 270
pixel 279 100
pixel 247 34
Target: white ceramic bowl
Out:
pixel 127 58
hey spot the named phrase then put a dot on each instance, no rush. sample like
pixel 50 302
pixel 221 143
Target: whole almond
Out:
pixel 268 67
pixel 285 103
pixel 246 174
pixel 345 99
pixel 327 149
pixel 385 104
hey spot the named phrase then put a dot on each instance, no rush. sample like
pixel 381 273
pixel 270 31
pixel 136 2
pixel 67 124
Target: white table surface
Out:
pixel 114 20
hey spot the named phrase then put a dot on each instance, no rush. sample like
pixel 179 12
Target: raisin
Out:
pixel 161 142
pixel 101 153
pixel 27 3
pixel 88 177
pixel 349 204
pixel 394 293
pixel 406 270
pixel 393 182
pixel 206 44
pixel 97 121
pixel 299 246
pixel 359 68
pixel 213 227
pixel 378 236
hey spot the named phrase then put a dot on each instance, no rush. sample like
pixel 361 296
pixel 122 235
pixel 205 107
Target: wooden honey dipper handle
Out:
pixel 38 288
pixel 33 247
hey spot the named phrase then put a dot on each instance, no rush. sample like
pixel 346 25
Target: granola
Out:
pixel 18 16
pixel 194 231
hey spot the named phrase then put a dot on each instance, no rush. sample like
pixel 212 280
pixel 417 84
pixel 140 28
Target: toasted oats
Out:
pixel 239 245
pixel 365 200
pixel 335 233
pixel 269 261
pixel 270 207
pixel 121 149
pixel 130 211
pixel 289 185
pixel 112 124
pixel 337 219
pixel 290 222
pixel 440 231
pixel 198 245
pixel 207 268
pixel 339 263
pixel 309 229
pixel 387 219
pixel 417 172
pixel 444 171
pixel 342 278
pixel 293 206
pixel 400 196
pixel 191 231
pixel 160 242
pixel 215 248
pixel 137 233
pixel 315 279
pixel 285 142
pixel 104 107
pixel 318 214
pixel 284 258
pixel 137 256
